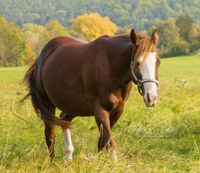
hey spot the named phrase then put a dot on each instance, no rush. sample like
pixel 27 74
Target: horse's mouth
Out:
pixel 150 104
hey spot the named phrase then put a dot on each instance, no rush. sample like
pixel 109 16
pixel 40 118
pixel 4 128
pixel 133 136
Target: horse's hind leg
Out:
pixel 49 132
pixel 50 139
pixel 69 149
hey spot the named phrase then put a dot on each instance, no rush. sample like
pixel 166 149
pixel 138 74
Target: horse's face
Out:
pixel 144 67
pixel 148 73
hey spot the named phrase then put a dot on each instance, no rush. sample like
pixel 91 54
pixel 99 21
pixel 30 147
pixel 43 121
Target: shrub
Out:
pixel 177 49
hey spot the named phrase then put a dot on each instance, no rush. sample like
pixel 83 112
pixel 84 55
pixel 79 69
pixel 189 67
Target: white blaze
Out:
pixel 147 70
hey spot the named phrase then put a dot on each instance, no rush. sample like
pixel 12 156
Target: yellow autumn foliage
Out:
pixel 91 26
pixel 56 29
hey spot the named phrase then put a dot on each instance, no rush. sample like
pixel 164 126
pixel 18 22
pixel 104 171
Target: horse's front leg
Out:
pixel 69 149
pixel 106 140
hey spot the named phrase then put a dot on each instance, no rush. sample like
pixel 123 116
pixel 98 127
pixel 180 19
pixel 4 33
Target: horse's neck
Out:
pixel 120 53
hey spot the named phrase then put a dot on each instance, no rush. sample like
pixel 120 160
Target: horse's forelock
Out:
pixel 144 47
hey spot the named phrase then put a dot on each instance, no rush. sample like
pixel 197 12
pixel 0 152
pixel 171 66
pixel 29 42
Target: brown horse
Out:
pixel 91 79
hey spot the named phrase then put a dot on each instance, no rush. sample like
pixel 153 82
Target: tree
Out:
pixel 194 36
pixel 180 47
pixel 56 29
pixel 91 26
pixel 123 13
pixel 168 33
pixel 36 36
pixel 14 49
pixel 185 24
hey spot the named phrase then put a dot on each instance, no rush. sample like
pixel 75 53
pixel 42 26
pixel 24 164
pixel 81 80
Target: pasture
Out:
pixel 162 139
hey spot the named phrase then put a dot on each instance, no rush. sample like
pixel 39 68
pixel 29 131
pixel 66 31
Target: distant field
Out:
pixel 163 139
pixel 11 74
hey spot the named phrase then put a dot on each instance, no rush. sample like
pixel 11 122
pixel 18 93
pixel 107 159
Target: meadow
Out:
pixel 162 139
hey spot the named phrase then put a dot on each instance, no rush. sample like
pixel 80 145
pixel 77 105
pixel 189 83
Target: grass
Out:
pixel 163 139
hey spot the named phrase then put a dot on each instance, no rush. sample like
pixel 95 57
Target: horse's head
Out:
pixel 144 66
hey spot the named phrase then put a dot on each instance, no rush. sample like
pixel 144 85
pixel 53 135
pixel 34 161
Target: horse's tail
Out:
pixel 40 101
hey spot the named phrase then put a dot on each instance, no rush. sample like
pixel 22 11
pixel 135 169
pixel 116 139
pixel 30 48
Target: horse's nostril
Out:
pixel 148 97
pixel 151 98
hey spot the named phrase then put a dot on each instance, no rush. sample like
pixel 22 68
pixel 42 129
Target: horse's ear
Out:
pixel 155 36
pixel 133 36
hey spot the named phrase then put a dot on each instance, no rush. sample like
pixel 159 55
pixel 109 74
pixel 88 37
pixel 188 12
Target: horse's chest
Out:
pixel 112 100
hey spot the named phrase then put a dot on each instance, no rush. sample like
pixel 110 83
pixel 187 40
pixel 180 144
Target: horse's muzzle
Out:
pixel 150 100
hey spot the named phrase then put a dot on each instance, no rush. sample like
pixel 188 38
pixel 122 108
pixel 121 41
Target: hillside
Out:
pixel 140 13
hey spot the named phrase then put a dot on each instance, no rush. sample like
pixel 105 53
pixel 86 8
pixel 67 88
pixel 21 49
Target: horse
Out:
pixel 91 79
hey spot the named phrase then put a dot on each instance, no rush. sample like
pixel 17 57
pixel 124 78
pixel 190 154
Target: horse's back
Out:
pixel 60 41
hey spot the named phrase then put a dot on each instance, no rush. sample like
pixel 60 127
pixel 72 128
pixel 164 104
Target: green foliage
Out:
pixel 14 49
pixel 163 139
pixel 179 36
pixel 140 14
pixel 168 32
pixel 185 24
pixel 91 26
pixel 178 48
pixel 194 37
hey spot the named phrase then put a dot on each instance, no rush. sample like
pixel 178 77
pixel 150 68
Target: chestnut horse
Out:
pixel 91 79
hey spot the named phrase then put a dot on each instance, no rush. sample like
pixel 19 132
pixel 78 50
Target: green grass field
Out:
pixel 162 139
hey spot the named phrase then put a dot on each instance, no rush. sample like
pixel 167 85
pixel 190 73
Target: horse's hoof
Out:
pixel 67 159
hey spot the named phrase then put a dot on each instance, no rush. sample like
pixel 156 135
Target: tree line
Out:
pixel 141 14
pixel 180 36
pixel 20 44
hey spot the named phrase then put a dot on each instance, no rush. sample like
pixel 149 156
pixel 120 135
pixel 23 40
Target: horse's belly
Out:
pixel 77 106
pixel 71 102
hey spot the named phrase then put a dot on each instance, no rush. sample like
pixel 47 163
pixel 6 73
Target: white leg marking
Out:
pixel 114 156
pixel 68 145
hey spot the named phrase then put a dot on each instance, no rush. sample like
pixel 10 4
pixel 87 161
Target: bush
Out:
pixel 177 49
pixel 195 46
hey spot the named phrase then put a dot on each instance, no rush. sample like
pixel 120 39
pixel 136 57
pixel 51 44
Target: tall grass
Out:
pixel 161 139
